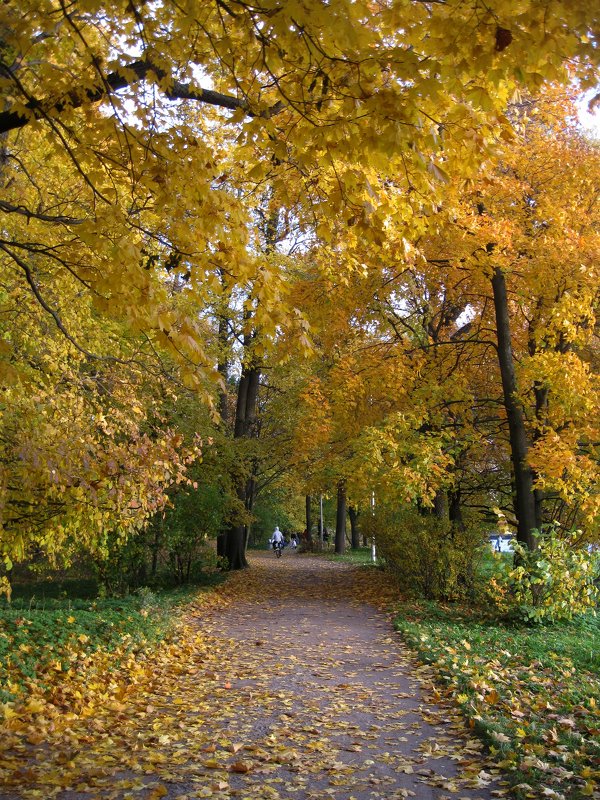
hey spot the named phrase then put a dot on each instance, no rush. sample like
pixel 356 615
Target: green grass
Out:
pixel 360 557
pixel 532 693
pixel 39 629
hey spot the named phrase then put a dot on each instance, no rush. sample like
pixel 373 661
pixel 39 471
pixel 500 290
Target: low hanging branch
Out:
pixel 8 208
pixel 127 76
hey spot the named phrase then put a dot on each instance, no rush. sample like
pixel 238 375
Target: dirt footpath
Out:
pixel 295 687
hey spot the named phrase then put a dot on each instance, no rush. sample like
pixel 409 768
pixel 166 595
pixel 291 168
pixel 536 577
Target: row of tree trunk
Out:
pixel 342 509
pixel 527 502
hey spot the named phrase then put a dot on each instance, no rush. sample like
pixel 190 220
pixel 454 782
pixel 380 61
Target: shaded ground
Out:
pixel 293 686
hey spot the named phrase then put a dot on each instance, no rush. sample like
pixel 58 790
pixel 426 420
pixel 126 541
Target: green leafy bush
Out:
pixel 553 582
pixel 174 549
pixel 430 557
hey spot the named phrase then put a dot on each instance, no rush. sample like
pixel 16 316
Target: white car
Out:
pixel 500 543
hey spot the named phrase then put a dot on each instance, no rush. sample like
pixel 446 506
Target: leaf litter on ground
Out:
pixel 538 711
pixel 285 682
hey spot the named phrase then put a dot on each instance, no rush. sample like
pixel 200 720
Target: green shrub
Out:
pixel 553 582
pixel 430 557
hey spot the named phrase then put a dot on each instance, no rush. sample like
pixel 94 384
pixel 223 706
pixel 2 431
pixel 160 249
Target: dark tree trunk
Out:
pixel 245 417
pixel 541 406
pixel 309 539
pixel 455 508
pixel 524 499
pixel 541 393
pixel 245 412
pixel 235 547
pixel 156 545
pixel 245 426
pixel 440 505
pixel 340 520
pixel 250 497
pixel 223 367
pixel 354 532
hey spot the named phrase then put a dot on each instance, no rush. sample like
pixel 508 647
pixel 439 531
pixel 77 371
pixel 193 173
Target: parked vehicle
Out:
pixel 501 543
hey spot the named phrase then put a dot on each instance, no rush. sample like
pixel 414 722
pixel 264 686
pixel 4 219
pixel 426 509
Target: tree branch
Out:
pixel 121 79
pixel 10 209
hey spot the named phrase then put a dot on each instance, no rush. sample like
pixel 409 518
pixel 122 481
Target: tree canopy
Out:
pixel 197 195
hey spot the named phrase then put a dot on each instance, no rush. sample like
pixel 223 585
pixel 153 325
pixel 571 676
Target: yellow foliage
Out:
pixel 128 219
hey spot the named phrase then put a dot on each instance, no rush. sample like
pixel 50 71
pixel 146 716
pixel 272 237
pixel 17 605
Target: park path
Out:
pixel 292 686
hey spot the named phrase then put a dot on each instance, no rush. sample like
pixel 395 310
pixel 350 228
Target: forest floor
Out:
pixel 290 682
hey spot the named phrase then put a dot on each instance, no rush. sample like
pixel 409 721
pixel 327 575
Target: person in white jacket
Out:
pixel 277 538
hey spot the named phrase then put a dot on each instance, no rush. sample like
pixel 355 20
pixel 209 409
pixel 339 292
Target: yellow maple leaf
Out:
pixel 158 792
pixel 35 706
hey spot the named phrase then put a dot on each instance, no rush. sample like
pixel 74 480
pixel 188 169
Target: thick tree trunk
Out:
pixel 158 525
pixel 354 532
pixel 245 412
pixel 223 367
pixel 340 520
pixel 541 407
pixel 524 499
pixel 440 505
pixel 236 547
pixel 455 508
pixel 541 394
pixel 309 539
pixel 245 417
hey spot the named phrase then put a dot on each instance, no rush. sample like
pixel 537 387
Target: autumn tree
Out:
pixel 338 95
pixel 86 451
pixel 417 346
pixel 522 249
pixel 117 171
pixel 360 396
pixel 545 329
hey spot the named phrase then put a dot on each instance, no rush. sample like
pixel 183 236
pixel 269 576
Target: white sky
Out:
pixel 590 122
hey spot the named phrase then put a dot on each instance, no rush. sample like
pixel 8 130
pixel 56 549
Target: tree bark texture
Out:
pixel 440 505
pixel 235 547
pixel 223 367
pixel 309 539
pixel 524 499
pixel 245 417
pixel 455 507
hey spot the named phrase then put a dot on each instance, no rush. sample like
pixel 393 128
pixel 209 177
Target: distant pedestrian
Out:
pixel 277 538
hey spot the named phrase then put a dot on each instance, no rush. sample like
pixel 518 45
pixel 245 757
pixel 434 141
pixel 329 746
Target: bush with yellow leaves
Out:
pixel 431 557
pixel 556 581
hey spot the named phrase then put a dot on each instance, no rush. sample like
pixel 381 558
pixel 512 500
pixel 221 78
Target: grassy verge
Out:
pixel 360 557
pixel 42 639
pixel 532 694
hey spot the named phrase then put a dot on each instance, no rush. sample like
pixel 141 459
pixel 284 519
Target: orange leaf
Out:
pixel 240 766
